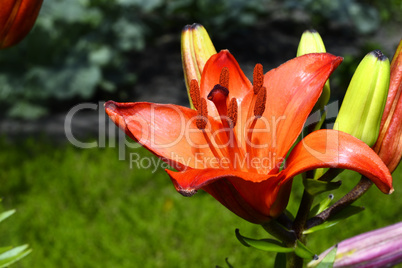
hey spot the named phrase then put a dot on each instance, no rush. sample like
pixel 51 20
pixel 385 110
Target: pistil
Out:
pixel 218 96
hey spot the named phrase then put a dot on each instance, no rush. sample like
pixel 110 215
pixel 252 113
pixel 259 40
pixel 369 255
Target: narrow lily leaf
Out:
pixel 9 257
pixel 289 214
pixel 4 215
pixel 345 213
pixel 263 244
pixel 329 259
pixel 303 252
pixel 315 187
pixel 228 263
pixel 4 249
pixel 320 227
pixel 280 260
pixel 320 207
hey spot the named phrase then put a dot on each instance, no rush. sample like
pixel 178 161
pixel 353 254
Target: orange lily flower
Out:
pixel 234 144
pixel 16 20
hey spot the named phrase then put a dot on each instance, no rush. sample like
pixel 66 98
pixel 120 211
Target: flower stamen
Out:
pixel 259 106
pixel 258 82
pixel 258 78
pixel 202 117
pixel 195 93
pixel 232 112
pixel 224 77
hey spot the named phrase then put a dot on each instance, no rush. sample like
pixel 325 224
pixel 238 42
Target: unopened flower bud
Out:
pixel 364 102
pixel 16 20
pixel 311 42
pixel 389 143
pixel 378 248
pixel 196 49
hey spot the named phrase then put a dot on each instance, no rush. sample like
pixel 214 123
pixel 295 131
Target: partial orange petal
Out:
pixel 168 131
pixel 389 142
pixel 16 20
pixel 239 85
pixel 336 149
pixel 249 195
pixel 292 91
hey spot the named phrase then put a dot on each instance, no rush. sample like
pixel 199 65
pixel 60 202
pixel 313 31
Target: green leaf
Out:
pixel 320 227
pixel 303 252
pixel 320 207
pixel 329 259
pixel 228 263
pixel 315 187
pixel 4 249
pixel 289 214
pixel 13 255
pixel 263 244
pixel 4 215
pixel 345 213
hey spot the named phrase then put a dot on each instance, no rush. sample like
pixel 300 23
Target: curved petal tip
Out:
pixel 187 193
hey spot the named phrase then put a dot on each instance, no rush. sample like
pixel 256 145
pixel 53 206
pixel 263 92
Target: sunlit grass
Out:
pixel 86 208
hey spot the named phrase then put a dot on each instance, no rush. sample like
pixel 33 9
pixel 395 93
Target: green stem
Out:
pixel 361 188
pixel 294 261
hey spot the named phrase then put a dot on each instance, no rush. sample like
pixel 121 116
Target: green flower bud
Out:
pixel 311 42
pixel 364 102
pixel 196 49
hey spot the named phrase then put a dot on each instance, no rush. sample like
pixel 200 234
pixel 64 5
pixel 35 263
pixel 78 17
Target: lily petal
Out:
pixel 16 20
pixel 389 142
pixel 168 131
pixel 259 197
pixel 236 190
pixel 292 91
pixel 337 149
pixel 239 85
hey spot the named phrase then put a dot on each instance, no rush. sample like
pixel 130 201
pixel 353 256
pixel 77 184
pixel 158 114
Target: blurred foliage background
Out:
pixel 85 208
pixel 90 49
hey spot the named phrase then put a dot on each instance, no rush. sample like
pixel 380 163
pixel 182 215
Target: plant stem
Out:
pixel 298 227
pixel 302 215
pixel 362 187
pixel 294 261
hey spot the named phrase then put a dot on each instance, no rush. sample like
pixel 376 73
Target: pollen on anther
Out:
pixel 224 77
pixel 202 117
pixel 232 112
pixel 195 93
pixel 258 78
pixel 259 106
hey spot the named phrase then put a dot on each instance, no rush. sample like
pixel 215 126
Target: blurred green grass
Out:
pixel 85 208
